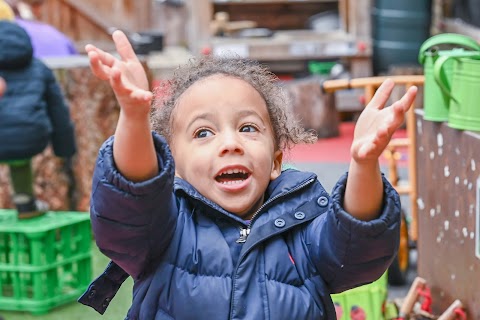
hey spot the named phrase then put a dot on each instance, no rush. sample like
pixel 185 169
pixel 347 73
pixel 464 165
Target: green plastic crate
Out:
pixel 368 299
pixel 44 261
pixel 7 215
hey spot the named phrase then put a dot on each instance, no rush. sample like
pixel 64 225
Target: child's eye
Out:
pixel 248 128
pixel 202 133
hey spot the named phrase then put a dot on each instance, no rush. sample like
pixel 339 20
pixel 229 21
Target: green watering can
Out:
pixel 436 101
pixel 463 89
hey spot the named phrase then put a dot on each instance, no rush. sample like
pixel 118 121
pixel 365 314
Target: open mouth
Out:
pixel 232 176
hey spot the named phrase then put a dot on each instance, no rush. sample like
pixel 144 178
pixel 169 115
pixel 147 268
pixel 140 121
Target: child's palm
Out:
pixel 372 134
pixel 126 75
pixel 130 84
pixel 376 124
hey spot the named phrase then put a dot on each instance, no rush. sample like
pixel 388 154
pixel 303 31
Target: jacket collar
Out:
pixel 288 180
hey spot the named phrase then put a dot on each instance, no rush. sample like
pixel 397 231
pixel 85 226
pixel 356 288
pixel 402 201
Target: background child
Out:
pixel 200 213
pixel 33 113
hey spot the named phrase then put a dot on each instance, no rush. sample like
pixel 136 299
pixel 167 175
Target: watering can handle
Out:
pixel 447 38
pixel 437 70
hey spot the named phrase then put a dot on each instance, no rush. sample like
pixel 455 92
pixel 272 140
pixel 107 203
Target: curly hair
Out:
pixel 287 130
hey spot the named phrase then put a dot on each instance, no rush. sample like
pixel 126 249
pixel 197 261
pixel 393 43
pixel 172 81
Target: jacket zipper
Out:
pixel 244 232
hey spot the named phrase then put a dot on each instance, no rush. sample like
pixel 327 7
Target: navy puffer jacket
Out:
pixel 33 110
pixel 184 254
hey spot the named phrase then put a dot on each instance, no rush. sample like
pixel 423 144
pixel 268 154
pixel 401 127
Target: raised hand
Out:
pixel 376 124
pixel 125 74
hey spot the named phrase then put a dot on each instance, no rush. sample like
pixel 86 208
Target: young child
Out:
pixel 200 214
pixel 33 113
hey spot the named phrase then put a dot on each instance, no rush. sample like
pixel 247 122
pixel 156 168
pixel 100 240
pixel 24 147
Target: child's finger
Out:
pixel 396 115
pixel 90 47
pixel 117 84
pixel 105 57
pixel 408 98
pixel 124 48
pixel 401 106
pixel 97 67
pixel 122 89
pixel 381 96
pixel 142 95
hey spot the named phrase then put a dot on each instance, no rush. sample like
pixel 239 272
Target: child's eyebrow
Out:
pixel 246 113
pixel 202 116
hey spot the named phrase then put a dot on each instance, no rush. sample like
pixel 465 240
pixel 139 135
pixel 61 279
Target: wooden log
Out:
pixel 313 108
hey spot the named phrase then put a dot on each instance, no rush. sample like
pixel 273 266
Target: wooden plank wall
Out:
pixel 448 168
pixel 95 20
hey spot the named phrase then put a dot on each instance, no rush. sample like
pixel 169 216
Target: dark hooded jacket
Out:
pixel 190 259
pixel 33 111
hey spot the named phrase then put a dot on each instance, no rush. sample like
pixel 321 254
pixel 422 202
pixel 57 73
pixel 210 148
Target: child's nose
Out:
pixel 231 143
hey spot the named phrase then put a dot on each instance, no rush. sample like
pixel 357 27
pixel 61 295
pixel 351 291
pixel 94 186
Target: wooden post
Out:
pixel 450 314
pixel 411 298
pixel 359 12
pixel 343 10
pixel 200 14
pixel 412 167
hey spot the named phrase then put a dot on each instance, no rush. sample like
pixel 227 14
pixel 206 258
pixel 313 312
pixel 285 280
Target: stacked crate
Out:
pixel 364 302
pixel 45 261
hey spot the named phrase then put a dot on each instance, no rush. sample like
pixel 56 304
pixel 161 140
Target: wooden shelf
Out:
pixel 291 45
pixel 293 42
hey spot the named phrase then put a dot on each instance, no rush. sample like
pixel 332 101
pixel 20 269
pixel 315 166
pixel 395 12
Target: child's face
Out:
pixel 223 143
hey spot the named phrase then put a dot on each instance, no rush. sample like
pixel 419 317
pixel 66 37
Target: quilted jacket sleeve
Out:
pixel 133 222
pixel 63 134
pixel 348 252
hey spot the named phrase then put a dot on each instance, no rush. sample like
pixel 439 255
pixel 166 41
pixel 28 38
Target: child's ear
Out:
pixel 277 165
